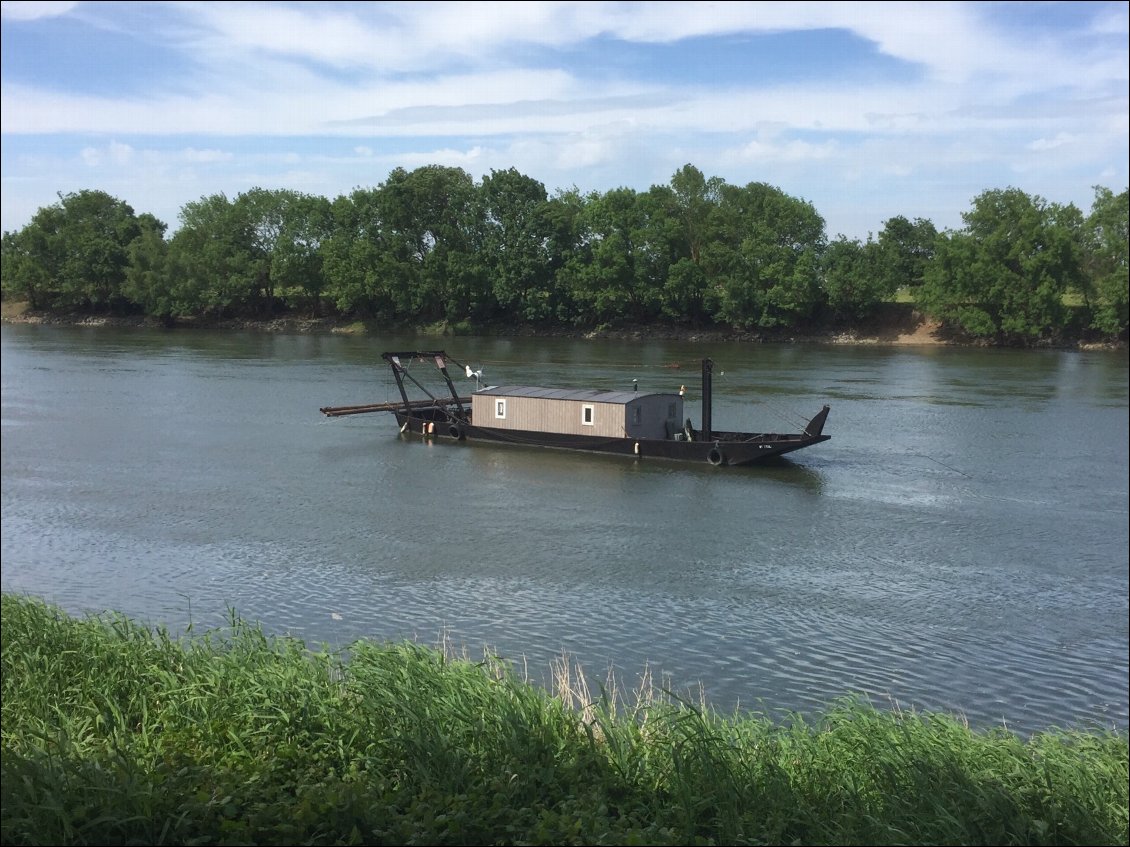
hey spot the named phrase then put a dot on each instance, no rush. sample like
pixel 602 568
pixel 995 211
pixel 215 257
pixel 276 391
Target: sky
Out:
pixel 865 110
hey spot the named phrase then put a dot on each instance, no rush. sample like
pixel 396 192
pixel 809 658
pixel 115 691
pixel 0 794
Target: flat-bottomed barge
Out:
pixel 627 423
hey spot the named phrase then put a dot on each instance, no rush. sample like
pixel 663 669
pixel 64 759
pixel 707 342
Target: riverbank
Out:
pixel 126 735
pixel 897 325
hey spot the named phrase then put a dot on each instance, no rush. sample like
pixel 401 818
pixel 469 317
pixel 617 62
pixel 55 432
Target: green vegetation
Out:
pixel 114 733
pixel 431 246
pixel 1007 274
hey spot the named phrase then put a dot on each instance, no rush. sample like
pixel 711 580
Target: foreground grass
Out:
pixel 114 733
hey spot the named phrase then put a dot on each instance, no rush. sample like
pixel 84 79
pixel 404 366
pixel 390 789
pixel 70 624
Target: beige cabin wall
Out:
pixel 610 420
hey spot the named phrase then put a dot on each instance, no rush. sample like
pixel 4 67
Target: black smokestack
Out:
pixel 707 399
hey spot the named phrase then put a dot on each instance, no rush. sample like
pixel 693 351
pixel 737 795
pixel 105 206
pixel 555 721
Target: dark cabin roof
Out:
pixel 588 395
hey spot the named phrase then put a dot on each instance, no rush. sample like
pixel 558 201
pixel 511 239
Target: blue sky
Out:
pixel 866 110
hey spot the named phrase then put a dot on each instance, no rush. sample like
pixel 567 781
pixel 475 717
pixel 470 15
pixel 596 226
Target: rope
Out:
pixel 937 462
pixel 787 413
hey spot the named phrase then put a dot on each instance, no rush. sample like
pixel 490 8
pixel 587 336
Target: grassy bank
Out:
pixel 115 733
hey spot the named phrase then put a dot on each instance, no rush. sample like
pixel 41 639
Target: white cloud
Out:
pixel 120 154
pixel 788 151
pixel 470 160
pixel 252 86
pixel 1112 20
pixel 1060 140
pixel 30 11
pixel 381 85
pixel 208 156
pixel 115 154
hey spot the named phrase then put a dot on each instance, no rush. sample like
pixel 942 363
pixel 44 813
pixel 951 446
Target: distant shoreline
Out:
pixel 904 328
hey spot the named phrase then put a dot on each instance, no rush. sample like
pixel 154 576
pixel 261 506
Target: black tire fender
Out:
pixel 715 456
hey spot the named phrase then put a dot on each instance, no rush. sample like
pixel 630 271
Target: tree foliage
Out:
pixel 1106 242
pixel 611 276
pixel 74 254
pixel 1005 275
pixel 433 237
pixel 905 251
pixel 354 255
pixel 148 282
pixel 213 264
pixel 517 246
pixel 853 284
pixel 431 245
pixel 767 257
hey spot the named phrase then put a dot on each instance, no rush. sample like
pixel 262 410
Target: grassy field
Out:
pixel 115 733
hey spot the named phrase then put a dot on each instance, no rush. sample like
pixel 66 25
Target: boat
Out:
pixel 627 423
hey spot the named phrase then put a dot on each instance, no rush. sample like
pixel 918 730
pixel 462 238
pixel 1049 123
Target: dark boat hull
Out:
pixel 724 448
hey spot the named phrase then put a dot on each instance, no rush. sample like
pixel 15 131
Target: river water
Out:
pixel 960 544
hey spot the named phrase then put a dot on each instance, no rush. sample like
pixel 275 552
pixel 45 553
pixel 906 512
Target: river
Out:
pixel 959 545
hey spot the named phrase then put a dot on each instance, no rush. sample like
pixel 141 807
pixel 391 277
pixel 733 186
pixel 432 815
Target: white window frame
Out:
pixel 500 408
pixel 588 414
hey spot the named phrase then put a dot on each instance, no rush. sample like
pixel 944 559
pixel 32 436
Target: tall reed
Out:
pixel 115 733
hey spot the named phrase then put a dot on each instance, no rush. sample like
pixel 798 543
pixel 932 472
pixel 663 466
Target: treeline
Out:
pixel 432 245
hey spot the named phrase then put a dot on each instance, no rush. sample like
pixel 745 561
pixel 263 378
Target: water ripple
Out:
pixel 936 553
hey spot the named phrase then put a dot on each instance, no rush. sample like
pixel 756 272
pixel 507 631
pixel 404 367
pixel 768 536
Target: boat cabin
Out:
pixel 608 414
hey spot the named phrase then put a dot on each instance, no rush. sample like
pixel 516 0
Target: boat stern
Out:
pixel 816 425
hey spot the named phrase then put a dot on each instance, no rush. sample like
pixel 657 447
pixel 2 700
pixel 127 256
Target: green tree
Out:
pixel 853 284
pixel 73 255
pixel 768 258
pixel 517 238
pixel 148 281
pixel 611 277
pixel 213 261
pixel 287 229
pixel 1004 275
pixel 26 266
pixel 263 212
pixel 683 229
pixel 432 230
pixel 354 255
pixel 1105 246
pixel 565 227
pixel 904 251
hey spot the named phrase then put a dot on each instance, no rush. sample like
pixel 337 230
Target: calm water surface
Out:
pixel 959 545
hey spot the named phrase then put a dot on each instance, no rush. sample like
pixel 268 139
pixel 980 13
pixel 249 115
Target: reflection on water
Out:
pixel 960 543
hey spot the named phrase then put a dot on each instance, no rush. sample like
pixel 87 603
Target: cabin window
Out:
pixel 637 415
pixel 671 410
pixel 588 415
pixel 500 409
